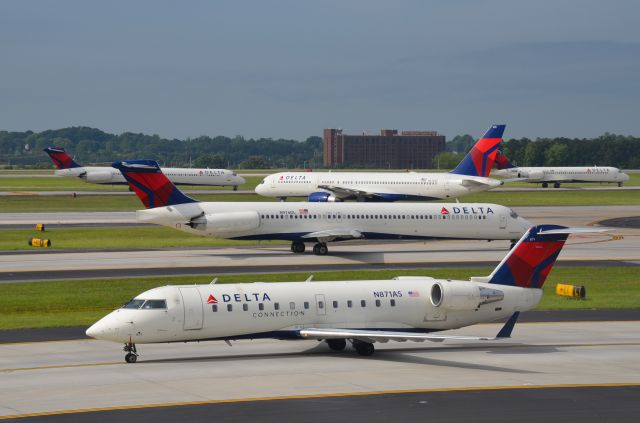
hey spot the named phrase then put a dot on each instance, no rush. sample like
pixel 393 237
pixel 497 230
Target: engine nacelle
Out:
pixel 98 176
pixel 226 224
pixel 535 175
pixel 322 197
pixel 458 295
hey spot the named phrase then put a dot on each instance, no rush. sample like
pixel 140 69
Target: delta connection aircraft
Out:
pixel 361 312
pixel 558 175
pixel 107 175
pixel 321 223
pixel 470 176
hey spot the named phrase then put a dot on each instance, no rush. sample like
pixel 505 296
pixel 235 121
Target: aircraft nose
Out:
pixel 95 330
pixel 259 189
pixel 240 180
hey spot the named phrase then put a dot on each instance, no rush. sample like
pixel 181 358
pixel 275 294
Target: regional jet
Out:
pixel 320 223
pixel 557 175
pixel 470 176
pixel 360 313
pixel 107 175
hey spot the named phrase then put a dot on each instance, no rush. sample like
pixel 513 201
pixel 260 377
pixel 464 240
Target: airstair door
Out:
pixel 193 308
pixel 503 221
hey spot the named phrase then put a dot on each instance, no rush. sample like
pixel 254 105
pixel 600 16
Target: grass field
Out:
pixel 112 237
pixel 82 302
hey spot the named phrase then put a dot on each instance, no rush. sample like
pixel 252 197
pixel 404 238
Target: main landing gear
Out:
pixel 363 348
pixel 235 187
pixel 556 184
pixel 320 249
pixel 131 355
pixel 545 185
pixel 337 344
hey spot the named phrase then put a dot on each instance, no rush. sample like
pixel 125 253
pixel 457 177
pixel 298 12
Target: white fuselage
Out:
pixel 566 174
pixel 180 176
pixel 295 220
pixel 256 310
pixel 392 185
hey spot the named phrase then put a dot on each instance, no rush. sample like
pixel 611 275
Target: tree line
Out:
pixel 93 146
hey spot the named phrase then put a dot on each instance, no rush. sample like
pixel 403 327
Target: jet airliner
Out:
pixel 470 176
pixel 107 175
pixel 556 175
pixel 357 312
pixel 320 223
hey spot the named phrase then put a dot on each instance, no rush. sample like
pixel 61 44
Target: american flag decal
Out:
pixel 413 294
pixel 303 211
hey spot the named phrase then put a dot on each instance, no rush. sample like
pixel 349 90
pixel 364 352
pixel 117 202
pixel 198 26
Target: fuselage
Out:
pixel 259 310
pixel 295 221
pixel 180 176
pixel 566 174
pixel 389 186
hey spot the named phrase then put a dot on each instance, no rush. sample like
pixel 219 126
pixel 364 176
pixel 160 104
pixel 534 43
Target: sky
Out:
pixel 289 68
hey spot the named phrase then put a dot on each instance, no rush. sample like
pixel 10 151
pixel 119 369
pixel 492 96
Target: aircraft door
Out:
pixel 193 308
pixel 321 305
pixel 503 221
pixel 272 179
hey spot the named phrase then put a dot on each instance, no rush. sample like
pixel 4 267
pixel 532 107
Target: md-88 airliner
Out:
pixel 340 312
pixel 108 175
pixel 301 222
pixel 470 176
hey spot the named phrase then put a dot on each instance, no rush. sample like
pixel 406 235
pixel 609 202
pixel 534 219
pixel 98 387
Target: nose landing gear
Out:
pixel 131 355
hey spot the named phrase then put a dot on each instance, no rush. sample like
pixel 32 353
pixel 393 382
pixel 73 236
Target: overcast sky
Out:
pixel 290 68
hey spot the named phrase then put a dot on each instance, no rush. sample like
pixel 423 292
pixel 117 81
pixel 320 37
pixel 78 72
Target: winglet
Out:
pixel 505 332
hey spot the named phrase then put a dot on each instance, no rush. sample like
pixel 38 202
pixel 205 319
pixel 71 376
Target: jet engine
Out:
pixel 322 197
pixel 462 295
pixel 226 224
pixel 97 176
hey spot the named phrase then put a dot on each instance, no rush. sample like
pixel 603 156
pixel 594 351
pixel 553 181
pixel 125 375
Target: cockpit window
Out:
pixel 149 304
pixel 513 214
pixel 134 304
pixel 263 181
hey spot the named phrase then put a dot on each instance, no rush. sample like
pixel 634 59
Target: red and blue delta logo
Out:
pixel 212 299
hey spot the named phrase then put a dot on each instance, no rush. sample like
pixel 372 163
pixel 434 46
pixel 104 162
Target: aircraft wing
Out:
pixel 346 193
pixel 383 336
pixel 400 336
pixel 332 234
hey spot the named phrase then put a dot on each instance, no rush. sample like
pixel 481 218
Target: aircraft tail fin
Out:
pixel 60 158
pixel 479 161
pixel 502 162
pixel 151 186
pixel 530 261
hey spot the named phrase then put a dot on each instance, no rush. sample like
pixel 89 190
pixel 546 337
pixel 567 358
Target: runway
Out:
pixel 85 375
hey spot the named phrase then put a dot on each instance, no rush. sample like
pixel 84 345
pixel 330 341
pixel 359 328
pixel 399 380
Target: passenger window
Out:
pixel 276 306
pixel 363 303
pixel 377 303
pixel 292 305
pixel 306 305
pixel 393 303
pixel 260 306
pixel 349 303
pixel 229 307
pixel 320 304
pixel 335 304
pixel 214 308
pixel 133 304
pixel 245 307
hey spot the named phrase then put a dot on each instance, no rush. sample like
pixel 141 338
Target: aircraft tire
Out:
pixel 235 187
pixel 545 185
pixel 364 348
pixel 320 249
pixel 619 184
pixel 298 247
pixel 337 344
pixel 130 358
pixel 556 185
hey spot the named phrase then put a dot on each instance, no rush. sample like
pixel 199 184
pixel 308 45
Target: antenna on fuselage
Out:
pixel 213 282
pixel 309 279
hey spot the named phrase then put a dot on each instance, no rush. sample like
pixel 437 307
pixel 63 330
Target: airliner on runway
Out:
pixel 558 175
pixel 469 177
pixel 107 175
pixel 360 312
pixel 314 222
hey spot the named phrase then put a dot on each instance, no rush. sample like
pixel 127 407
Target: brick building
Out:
pixel 408 150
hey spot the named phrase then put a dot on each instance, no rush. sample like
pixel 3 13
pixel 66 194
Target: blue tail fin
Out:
pixel 60 158
pixel 479 161
pixel 151 186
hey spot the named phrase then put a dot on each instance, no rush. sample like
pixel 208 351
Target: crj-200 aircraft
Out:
pixel 557 175
pixel 360 312
pixel 321 223
pixel 469 177
pixel 107 175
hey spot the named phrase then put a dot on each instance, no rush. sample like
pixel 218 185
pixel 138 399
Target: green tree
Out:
pixel 556 155
pixel 211 161
pixel 446 160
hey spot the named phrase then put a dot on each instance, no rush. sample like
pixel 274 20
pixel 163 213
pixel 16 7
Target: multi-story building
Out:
pixel 389 150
